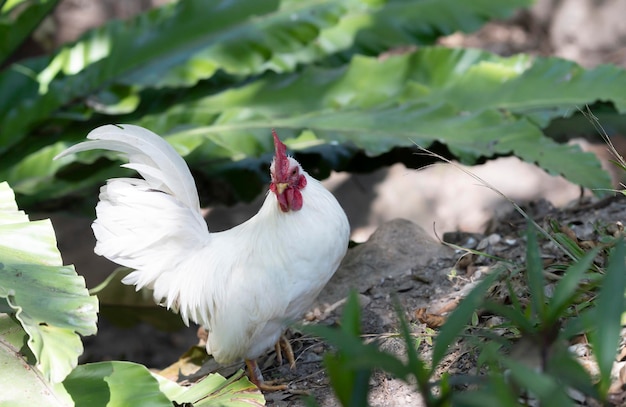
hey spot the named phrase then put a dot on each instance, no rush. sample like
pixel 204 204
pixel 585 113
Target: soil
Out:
pixel 400 260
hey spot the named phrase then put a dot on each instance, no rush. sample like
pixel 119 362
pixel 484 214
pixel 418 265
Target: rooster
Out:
pixel 243 285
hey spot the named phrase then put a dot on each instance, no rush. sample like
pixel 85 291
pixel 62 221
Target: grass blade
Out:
pixel 534 272
pixel 609 309
pixel 565 290
pixel 459 318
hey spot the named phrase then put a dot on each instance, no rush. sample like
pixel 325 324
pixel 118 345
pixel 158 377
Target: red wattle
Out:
pixel 294 199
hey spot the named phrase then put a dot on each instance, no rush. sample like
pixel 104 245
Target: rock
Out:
pixel 396 248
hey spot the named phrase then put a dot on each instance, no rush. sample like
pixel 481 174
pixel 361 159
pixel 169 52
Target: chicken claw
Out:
pixel 256 377
pixel 281 346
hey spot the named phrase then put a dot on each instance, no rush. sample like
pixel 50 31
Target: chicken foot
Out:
pixel 256 377
pixel 281 346
pixel 254 372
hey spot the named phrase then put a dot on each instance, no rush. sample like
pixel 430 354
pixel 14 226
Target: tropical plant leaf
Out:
pixel 468 79
pixel 49 300
pixel 129 384
pixel 23 386
pixel 372 27
pixel 175 45
pixel 114 384
pixel 404 104
pixel 478 104
pixel 371 104
pixel 182 43
pixel 18 20
pixel 215 390
pixel 435 88
pixel 542 88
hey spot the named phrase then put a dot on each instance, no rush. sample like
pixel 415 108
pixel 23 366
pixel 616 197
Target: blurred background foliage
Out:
pixel 351 85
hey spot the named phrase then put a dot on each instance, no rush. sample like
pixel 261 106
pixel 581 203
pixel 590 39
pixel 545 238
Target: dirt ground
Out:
pixel 401 259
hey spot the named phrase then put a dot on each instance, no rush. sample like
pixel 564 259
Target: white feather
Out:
pixel 243 284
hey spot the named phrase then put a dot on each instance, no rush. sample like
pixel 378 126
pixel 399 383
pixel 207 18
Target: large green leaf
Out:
pixel 114 384
pixel 175 45
pixel 543 88
pixel 379 104
pixel 18 19
pixel 22 386
pixel 182 43
pixel 378 25
pixel 375 105
pixel 214 390
pixel 470 80
pixel 477 104
pixel 49 300
pixel 121 384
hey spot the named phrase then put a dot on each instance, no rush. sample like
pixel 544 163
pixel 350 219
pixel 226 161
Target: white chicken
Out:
pixel 243 284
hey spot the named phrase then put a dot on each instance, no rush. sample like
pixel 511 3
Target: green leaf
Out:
pixel 48 299
pixel 513 314
pixel 114 384
pixel 563 365
pixel 175 45
pixel 350 381
pixel 416 97
pixel 350 367
pixel 35 170
pixel 23 386
pixel 351 316
pixel 476 103
pixel 565 291
pixel 182 43
pixel 372 27
pixel 534 273
pixel 546 388
pixel 18 21
pixel 359 355
pixel 129 384
pixel 496 393
pixel 459 318
pixel 215 390
pixel 351 386
pixel 608 313
pixel 415 364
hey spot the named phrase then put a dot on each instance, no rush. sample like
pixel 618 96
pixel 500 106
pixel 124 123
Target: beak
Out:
pixel 280 187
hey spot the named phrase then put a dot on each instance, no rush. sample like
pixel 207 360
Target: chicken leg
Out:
pixel 256 377
pixel 254 372
pixel 281 346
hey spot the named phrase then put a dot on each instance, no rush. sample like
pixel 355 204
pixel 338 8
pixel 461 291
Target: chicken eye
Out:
pixel 294 172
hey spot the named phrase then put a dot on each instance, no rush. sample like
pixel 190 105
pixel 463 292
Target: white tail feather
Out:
pixel 149 224
pixel 149 154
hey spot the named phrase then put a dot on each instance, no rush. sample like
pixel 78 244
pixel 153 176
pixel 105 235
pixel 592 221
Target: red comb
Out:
pixel 281 164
